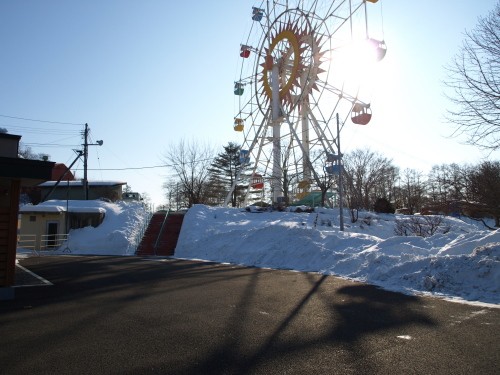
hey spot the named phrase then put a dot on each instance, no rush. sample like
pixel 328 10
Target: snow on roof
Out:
pixel 31 208
pixel 79 183
pixel 27 209
pixel 61 206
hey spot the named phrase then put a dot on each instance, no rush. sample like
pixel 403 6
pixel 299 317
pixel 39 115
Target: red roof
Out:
pixel 58 171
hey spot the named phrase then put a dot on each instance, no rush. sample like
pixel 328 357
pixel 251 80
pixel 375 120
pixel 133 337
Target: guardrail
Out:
pixel 142 230
pixel 157 242
pixel 43 243
pixel 27 241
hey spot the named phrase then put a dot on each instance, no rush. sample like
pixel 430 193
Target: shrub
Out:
pixel 383 206
pixel 423 226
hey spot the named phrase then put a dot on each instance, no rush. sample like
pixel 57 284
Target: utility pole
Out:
pixel 86 145
pixel 85 156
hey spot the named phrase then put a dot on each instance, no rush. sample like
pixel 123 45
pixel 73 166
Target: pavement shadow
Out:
pixel 369 309
pixel 213 318
pixel 368 320
pixel 341 319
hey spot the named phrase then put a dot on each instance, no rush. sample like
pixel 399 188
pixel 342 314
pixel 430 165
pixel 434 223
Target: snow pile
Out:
pixel 463 262
pixel 116 235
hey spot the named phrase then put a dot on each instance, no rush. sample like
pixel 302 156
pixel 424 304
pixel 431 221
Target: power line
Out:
pixel 46 121
pixel 146 167
pixel 125 169
pixel 48 145
pixel 28 129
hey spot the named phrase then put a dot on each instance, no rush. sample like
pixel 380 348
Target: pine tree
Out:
pixel 223 172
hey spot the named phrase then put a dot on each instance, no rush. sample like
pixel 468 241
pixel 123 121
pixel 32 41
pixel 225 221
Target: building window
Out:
pixel 32 218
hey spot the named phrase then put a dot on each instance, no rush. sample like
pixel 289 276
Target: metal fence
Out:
pixel 44 243
pixel 142 230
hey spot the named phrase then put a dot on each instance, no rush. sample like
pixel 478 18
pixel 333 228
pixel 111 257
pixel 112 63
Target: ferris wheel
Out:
pixel 291 88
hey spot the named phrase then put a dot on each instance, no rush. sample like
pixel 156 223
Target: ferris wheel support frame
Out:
pixel 277 173
pixel 302 148
pixel 306 168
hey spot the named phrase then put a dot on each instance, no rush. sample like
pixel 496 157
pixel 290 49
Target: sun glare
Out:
pixel 354 64
pixel 353 61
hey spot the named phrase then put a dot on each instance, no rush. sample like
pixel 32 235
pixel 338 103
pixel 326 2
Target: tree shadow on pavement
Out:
pixel 324 318
pixel 183 317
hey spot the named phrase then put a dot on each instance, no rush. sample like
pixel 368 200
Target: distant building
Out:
pixel 74 190
pixel 131 196
pixel 33 194
pixel 60 171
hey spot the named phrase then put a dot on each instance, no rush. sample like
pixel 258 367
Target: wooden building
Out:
pixel 14 172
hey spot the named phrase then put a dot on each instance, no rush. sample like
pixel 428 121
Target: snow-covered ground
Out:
pixel 461 261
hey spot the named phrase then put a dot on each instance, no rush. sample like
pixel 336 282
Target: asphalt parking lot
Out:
pixel 131 315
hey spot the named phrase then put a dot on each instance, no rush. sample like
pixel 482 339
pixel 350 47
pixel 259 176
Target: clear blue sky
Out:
pixel 146 74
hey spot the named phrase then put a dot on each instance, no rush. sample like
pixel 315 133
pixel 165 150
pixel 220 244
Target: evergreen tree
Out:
pixel 223 172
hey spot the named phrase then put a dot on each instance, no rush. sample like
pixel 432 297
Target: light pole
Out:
pixel 341 205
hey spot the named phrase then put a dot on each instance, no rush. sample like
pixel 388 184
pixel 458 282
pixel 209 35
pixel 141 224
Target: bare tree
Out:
pixel 26 152
pixel 191 162
pixel 447 182
pixel 366 177
pixel 174 194
pixel 326 182
pixel 413 190
pixel 485 187
pixel 474 82
pixel 423 226
pixel 146 201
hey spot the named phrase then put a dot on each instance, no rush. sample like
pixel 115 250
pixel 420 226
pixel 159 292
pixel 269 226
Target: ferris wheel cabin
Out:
pixel 380 48
pixel 361 114
pixel 257 182
pixel 244 157
pixel 245 51
pixel 239 124
pixel 238 88
pixel 257 14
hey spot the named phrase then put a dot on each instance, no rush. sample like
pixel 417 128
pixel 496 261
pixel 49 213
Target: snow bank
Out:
pixel 462 263
pixel 116 235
